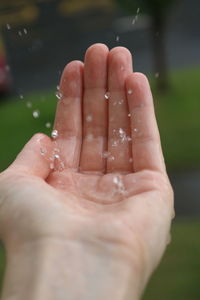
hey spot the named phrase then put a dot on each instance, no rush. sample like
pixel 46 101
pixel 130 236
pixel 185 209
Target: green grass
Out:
pixel 179 122
pixel 177 277
pixel 177 112
pixel 18 124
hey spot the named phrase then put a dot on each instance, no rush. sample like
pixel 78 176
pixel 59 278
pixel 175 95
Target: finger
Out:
pixel 119 146
pixel 147 153
pixel 94 109
pixel 36 157
pixel 68 120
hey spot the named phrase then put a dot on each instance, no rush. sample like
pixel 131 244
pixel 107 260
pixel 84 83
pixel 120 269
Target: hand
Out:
pixel 100 182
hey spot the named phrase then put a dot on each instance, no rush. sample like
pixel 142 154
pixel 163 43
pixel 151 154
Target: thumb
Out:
pixel 36 157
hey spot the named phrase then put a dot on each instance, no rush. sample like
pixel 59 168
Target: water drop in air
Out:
pixel 8 26
pixel 48 125
pixel 54 134
pixel 21 96
pixel 129 115
pixel 20 33
pixel 56 156
pixel 28 104
pixel 36 114
pixel 157 75
pixel 25 31
pixel 117 38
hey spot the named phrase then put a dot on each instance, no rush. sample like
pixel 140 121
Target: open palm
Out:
pixel 101 179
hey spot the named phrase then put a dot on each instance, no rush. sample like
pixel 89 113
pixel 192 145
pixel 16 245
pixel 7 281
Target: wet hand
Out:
pixel 101 179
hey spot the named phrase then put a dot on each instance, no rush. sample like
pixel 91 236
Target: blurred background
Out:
pixel 38 38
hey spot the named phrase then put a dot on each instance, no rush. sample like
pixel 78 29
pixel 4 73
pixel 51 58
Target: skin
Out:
pixel 92 226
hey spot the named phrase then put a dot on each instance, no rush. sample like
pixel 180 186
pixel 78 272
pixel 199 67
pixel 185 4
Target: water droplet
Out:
pixel 114 143
pixel 129 139
pixel 43 151
pixel 57 87
pixel 130 92
pixel 121 101
pixel 135 129
pixel 89 118
pixel 28 104
pixel 48 125
pixel 107 95
pixel 129 115
pixel 138 10
pixel 89 137
pixel 21 96
pixel 36 114
pixel 7 68
pixel 157 75
pixel 20 33
pixel 8 26
pixel 105 154
pixel 116 180
pixel 25 31
pixel 117 38
pixel 135 20
pixel 111 158
pixel 54 134
pixel 51 166
pixel 59 95
pixel 121 131
pixel 120 188
pixel 56 156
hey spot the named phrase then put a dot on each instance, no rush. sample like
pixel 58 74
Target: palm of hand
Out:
pixel 109 184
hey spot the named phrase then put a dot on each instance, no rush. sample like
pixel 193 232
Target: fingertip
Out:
pixel 137 81
pixel 71 79
pixel 98 47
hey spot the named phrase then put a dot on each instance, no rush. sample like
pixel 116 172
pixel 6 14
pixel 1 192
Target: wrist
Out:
pixel 55 269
